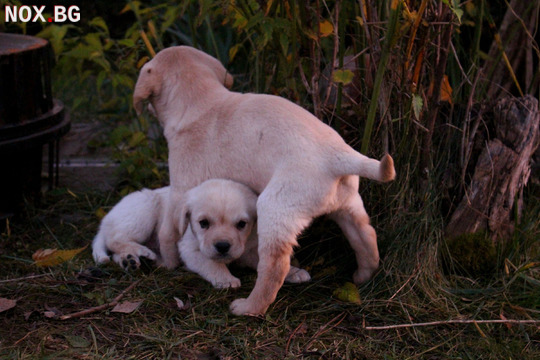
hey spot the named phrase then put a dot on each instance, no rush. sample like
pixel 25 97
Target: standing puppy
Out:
pixel 300 167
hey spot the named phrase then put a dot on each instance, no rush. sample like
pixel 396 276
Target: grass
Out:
pixel 422 279
pixel 306 321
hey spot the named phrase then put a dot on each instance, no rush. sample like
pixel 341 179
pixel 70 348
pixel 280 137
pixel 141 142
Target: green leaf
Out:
pixel 284 42
pixel 100 23
pixel 79 52
pixel 126 42
pixel 137 138
pixel 454 6
pixel 100 79
pixel 348 293
pixel 342 76
pixel 233 50
pixel 417 105
pixel 77 341
pixel 169 17
pixel 94 41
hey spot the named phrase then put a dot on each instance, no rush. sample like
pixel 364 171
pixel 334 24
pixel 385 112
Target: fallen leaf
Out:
pixel 28 314
pixel 6 304
pixel 53 257
pixel 49 314
pixel 508 325
pixel 100 213
pixel 42 254
pixel 180 304
pixel 348 293
pixel 127 307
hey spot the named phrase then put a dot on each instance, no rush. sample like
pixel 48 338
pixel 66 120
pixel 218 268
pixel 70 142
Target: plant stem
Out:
pixel 395 9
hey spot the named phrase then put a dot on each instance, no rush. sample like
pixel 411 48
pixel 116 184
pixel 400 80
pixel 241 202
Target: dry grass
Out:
pixel 306 322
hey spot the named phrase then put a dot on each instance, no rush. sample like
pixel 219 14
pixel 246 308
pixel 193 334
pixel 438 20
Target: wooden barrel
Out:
pixel 29 118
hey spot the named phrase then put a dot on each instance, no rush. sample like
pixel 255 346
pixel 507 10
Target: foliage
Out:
pixel 321 319
pixel 399 76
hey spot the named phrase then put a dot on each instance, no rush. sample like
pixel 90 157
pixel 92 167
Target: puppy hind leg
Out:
pixel 297 276
pixel 354 222
pixel 127 254
pixel 250 259
pixel 277 231
pixel 273 267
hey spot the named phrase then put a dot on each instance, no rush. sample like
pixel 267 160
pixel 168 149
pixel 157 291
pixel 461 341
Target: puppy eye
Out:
pixel 241 224
pixel 205 224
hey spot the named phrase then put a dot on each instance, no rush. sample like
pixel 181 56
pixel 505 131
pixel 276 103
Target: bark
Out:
pixel 516 31
pixel 501 172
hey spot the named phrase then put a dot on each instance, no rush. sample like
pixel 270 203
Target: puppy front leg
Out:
pixel 216 273
pixel 168 236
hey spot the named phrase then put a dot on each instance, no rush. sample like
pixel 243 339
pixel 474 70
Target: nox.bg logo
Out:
pixel 26 13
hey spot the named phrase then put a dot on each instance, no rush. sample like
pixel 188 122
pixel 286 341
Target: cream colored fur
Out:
pixel 222 212
pixel 129 227
pixel 300 167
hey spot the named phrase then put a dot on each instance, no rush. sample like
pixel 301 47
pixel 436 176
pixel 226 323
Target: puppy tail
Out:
pixel 99 249
pixel 354 163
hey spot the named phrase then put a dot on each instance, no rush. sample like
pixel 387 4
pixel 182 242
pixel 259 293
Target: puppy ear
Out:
pixel 146 87
pixel 219 70
pixel 184 218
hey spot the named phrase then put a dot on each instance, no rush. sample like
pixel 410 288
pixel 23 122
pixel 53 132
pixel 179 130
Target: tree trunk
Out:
pixel 502 170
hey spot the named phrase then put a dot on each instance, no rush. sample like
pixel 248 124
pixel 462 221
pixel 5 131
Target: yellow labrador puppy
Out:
pixel 129 228
pixel 219 229
pixel 300 167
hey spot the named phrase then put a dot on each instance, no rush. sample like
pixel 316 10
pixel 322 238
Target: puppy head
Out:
pixel 173 73
pixel 221 214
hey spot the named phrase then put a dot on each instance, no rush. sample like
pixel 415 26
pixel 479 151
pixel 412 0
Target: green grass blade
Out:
pixel 395 10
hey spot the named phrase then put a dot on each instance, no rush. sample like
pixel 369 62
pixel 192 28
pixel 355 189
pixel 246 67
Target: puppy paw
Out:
pixel 131 262
pixel 297 276
pixel 127 262
pixel 227 283
pixel 363 275
pixel 101 259
pixel 147 253
pixel 241 307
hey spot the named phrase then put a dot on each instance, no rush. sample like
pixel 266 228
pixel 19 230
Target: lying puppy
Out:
pixel 129 227
pixel 219 230
pixel 300 167
pixel 222 214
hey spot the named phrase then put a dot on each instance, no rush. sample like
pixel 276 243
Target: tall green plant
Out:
pixel 391 35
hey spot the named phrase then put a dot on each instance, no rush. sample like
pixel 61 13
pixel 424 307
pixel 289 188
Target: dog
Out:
pixel 300 167
pixel 130 227
pixel 219 229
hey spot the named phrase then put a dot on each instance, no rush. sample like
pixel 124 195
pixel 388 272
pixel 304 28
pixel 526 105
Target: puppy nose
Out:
pixel 222 247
